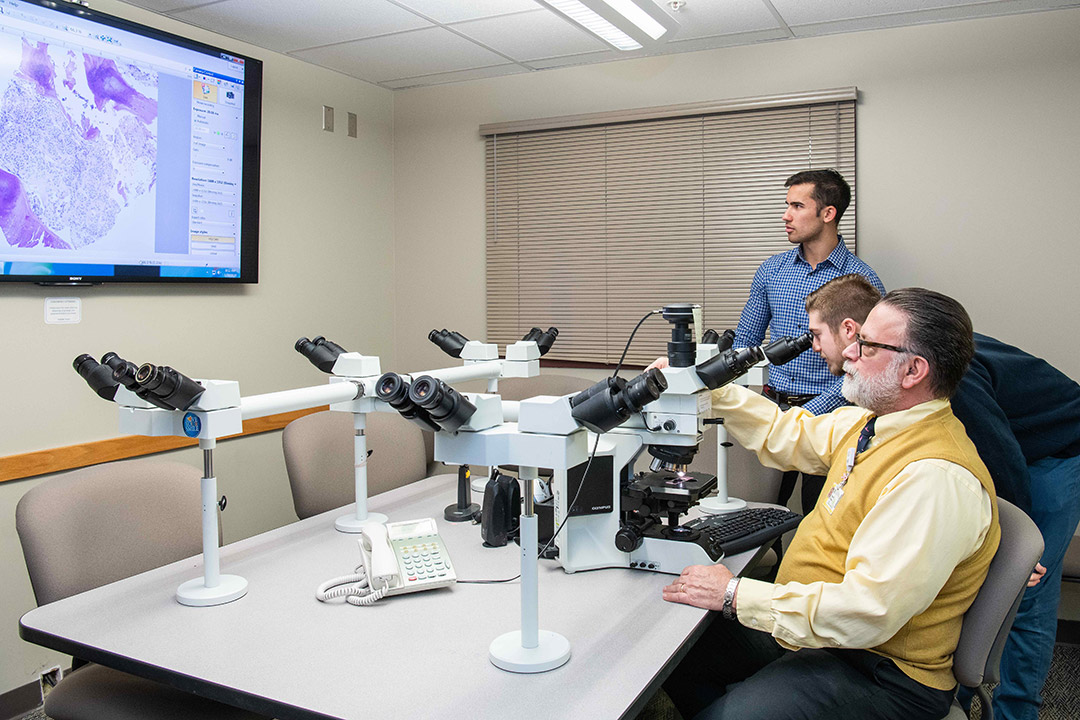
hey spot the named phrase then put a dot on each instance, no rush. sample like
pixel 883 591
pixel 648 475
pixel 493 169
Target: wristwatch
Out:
pixel 728 610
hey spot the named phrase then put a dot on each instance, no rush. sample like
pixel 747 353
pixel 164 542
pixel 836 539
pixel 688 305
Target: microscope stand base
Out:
pixel 552 651
pixel 351 524
pixel 195 593
pixel 714 505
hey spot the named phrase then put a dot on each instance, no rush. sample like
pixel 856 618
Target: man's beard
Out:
pixel 877 393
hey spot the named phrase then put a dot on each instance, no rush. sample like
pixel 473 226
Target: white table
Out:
pixel 280 652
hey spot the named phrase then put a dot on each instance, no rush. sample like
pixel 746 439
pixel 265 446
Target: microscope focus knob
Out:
pixel 628 539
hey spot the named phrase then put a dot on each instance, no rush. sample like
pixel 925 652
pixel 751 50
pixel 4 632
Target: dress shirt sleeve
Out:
pixel 828 400
pixel 929 518
pixel 756 315
pixel 785 440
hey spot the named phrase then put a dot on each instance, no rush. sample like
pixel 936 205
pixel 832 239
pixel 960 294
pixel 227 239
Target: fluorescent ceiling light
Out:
pixel 623 24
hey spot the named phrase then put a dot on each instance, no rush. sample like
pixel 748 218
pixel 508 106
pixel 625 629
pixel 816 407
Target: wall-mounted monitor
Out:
pixel 126 154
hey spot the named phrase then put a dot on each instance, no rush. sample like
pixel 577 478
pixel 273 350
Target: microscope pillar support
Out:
pixel 529 650
pixel 355 522
pixel 213 588
pixel 721 503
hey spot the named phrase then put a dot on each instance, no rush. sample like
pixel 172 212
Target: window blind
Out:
pixel 590 227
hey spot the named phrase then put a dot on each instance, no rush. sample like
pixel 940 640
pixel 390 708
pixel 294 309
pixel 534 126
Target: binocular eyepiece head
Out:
pixel 450 342
pixel 544 339
pixel 393 390
pixel 321 352
pixel 176 390
pixel 161 386
pixel 612 401
pixel 446 406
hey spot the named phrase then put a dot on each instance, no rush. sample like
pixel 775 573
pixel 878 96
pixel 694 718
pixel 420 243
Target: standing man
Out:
pixel 816 200
pixel 1024 417
pixel 873 588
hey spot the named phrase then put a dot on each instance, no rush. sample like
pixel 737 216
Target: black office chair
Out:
pixel 96 525
pixel 989 619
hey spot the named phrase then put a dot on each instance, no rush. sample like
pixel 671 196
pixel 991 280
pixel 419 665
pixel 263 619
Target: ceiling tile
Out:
pixel 931 13
pixel 531 35
pixel 459 76
pixel 283 25
pixel 800 12
pixel 707 18
pixel 404 55
pixel 450 11
pixel 581 59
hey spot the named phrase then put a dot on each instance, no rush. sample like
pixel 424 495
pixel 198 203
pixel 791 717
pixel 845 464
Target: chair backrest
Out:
pixel 989 619
pixel 319 458
pixel 96 525
pixel 522 388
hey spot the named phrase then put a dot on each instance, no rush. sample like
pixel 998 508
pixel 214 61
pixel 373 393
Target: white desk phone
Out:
pixel 397 558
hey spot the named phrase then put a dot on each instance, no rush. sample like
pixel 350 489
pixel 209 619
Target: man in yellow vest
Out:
pixel 871 593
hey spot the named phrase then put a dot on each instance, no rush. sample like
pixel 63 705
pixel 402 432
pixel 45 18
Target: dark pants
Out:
pixel 811 489
pixel 811 484
pixel 735 673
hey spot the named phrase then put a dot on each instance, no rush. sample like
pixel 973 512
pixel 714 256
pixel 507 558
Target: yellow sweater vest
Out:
pixel 924 646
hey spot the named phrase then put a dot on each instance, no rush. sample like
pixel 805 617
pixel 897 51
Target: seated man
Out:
pixel 866 611
pixel 1024 417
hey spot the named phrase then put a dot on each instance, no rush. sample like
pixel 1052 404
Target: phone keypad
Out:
pixel 423 561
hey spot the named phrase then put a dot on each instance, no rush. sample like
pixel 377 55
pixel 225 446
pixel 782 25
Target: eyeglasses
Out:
pixel 866 343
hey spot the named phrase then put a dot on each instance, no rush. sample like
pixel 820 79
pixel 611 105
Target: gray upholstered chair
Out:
pixel 523 388
pixel 96 525
pixel 990 617
pixel 319 458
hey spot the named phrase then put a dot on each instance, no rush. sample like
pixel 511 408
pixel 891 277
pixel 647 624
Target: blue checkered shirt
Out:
pixel 778 302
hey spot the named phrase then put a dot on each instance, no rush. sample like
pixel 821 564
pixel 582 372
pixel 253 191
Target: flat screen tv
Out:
pixel 127 154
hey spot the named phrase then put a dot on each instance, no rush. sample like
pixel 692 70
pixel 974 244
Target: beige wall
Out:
pixel 967 146
pixel 961 188
pixel 326 251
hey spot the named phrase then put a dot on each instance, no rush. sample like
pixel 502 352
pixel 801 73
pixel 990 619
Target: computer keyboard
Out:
pixel 734 532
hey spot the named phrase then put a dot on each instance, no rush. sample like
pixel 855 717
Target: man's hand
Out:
pixel 702 586
pixel 1036 576
pixel 659 363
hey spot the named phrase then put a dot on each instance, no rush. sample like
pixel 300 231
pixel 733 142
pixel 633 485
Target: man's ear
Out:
pixel 918 371
pixel 848 328
pixel 828 214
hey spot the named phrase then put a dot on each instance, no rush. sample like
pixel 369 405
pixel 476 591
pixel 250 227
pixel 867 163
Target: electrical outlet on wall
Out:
pixel 49 679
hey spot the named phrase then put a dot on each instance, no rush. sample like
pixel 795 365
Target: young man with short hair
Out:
pixel 816 200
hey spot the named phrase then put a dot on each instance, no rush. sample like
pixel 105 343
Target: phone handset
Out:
pixel 380 561
pixel 373 578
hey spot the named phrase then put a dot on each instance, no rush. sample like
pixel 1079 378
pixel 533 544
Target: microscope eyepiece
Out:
pixel 99 377
pixel 450 342
pixel 321 352
pixel 785 349
pixel 543 339
pixel 449 408
pixel 176 390
pixel 612 401
pixel 393 390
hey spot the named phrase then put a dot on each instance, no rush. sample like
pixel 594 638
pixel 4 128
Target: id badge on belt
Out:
pixel 837 490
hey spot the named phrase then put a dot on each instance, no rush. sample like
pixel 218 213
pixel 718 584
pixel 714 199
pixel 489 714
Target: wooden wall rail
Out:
pixel 43 462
